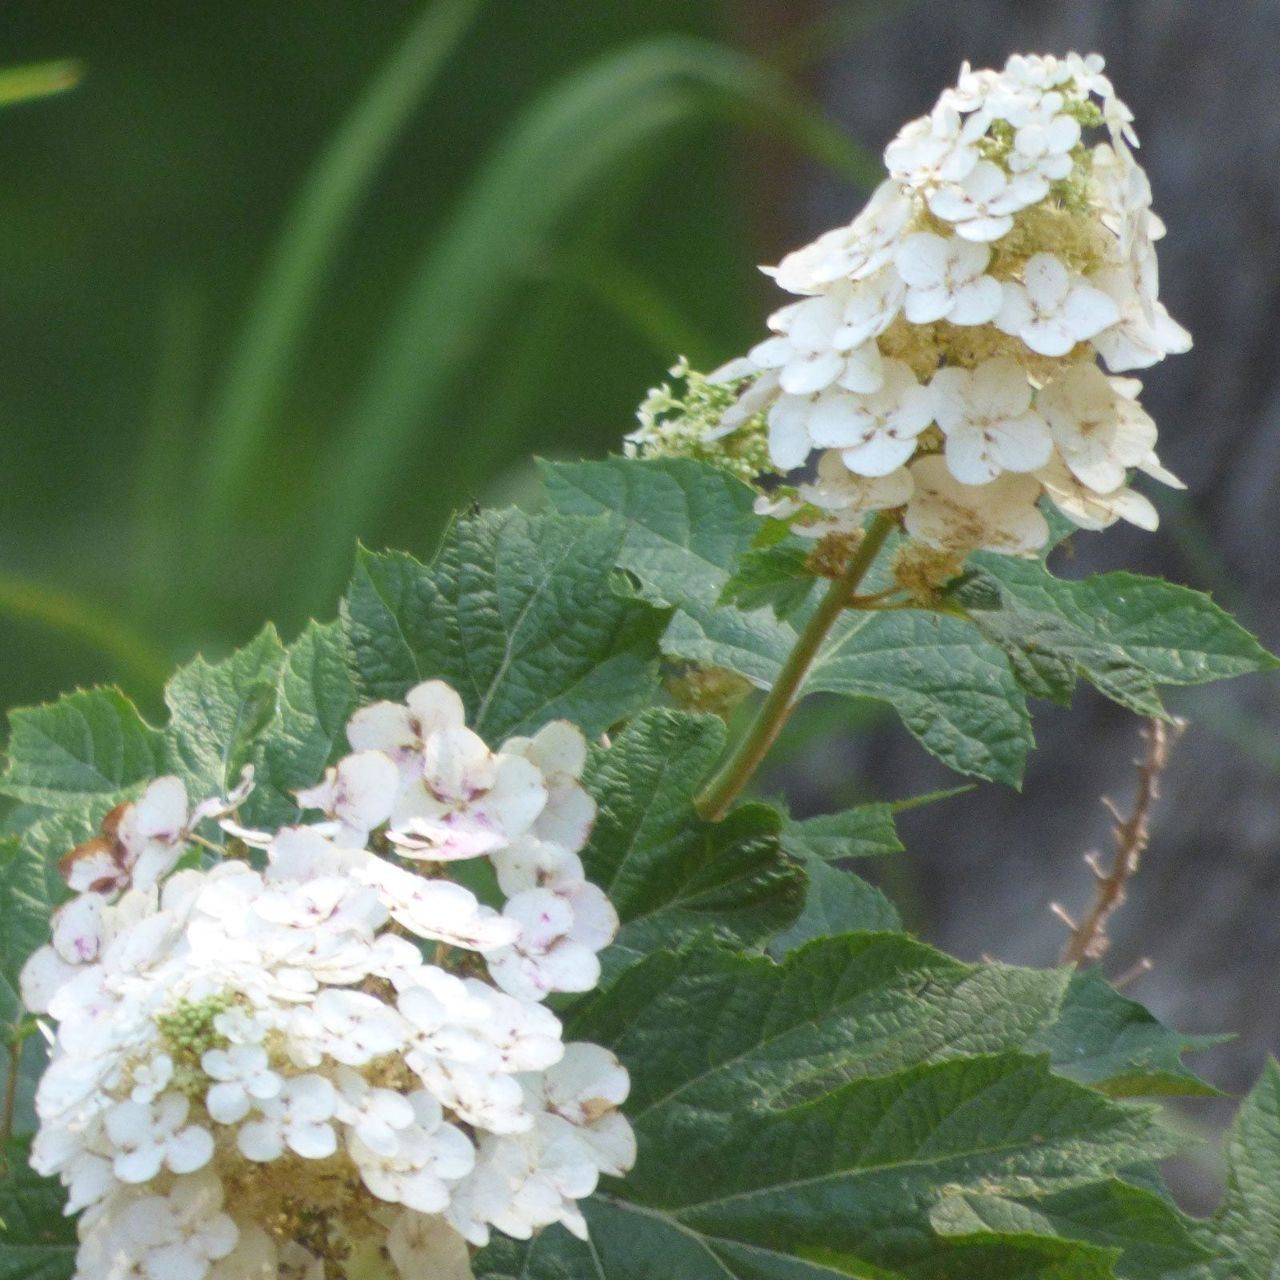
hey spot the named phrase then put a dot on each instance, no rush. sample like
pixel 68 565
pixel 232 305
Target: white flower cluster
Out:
pixel 688 423
pixel 272 1072
pixel 943 354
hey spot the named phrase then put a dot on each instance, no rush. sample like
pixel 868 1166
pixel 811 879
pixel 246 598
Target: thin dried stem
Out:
pixel 1130 834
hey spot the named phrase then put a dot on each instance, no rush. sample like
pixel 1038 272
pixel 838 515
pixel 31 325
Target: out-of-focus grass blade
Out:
pixel 294 278
pixel 634 299
pixel 162 487
pixel 88 623
pixel 563 147
pixel 38 80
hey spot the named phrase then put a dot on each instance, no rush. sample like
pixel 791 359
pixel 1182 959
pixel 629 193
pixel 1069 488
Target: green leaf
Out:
pixel 1124 633
pixel 810 1117
pixel 519 613
pixel 836 901
pixel 1103 1039
pixel 1153 1237
pixel 859 1168
pixel 689 524
pixel 754 1033
pixel 1246 1230
pixel 671 875
pixel 82 753
pixel 776 576
pixel 24 911
pixel 317 696
pixel 631 1243
pixel 37 1242
pixel 218 710
pixel 865 831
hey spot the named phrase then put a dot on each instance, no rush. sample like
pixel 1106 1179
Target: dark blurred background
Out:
pixel 278 276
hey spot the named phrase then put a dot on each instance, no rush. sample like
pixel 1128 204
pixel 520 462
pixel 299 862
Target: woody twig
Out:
pixel 1130 835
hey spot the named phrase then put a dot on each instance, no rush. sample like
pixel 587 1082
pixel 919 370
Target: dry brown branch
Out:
pixel 1130 834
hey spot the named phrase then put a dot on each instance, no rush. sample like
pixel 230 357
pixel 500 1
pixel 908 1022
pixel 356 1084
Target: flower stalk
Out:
pixel 715 799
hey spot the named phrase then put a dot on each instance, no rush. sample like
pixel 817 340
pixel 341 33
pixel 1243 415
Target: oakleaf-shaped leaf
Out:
pixel 754 1032
pixel 307 733
pixel 1106 1040
pixel 1246 1231
pixel 631 1243
pixel 688 526
pixel 777 577
pixel 217 710
pixel 865 831
pixel 83 753
pixel 519 613
pixel 1153 1237
pixel 671 875
pixel 810 1117
pixel 1124 633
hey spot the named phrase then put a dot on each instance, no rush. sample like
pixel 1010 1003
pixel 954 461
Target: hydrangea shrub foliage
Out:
pixel 443 942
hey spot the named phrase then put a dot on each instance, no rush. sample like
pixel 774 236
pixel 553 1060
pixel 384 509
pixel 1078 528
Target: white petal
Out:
pixel 1046 281
pixel 970 457
pixel 138 1166
pixel 382 726
pixel 259 1141
pixel 924 306
pixel 568 818
pixel 789 442
pixel 1015 309
pixel 977 302
pixel 811 371
pixel 839 421
pixel 1088 311
pixel 312 1141
pixel 613 1144
pixel 190 1150
pixel 772 353
pixel 880 456
pixel 227 1103
pixel 42 975
pixel 161 810
pixel 435 706
pixel 78 930
pixel 1049 336
pixel 1023 444
pixel 559 748
pixel 922 261
pixel 985 229
pixel 863 369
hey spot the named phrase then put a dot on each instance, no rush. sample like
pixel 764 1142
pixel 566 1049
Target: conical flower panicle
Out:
pixel 943 353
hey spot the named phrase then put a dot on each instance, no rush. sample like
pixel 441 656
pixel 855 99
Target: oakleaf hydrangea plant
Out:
pixel 445 944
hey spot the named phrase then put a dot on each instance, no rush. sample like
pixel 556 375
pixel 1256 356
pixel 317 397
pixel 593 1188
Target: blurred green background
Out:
pixel 280 276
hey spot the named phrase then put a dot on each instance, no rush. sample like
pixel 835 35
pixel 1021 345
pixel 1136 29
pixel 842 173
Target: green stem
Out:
pixel 715 798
